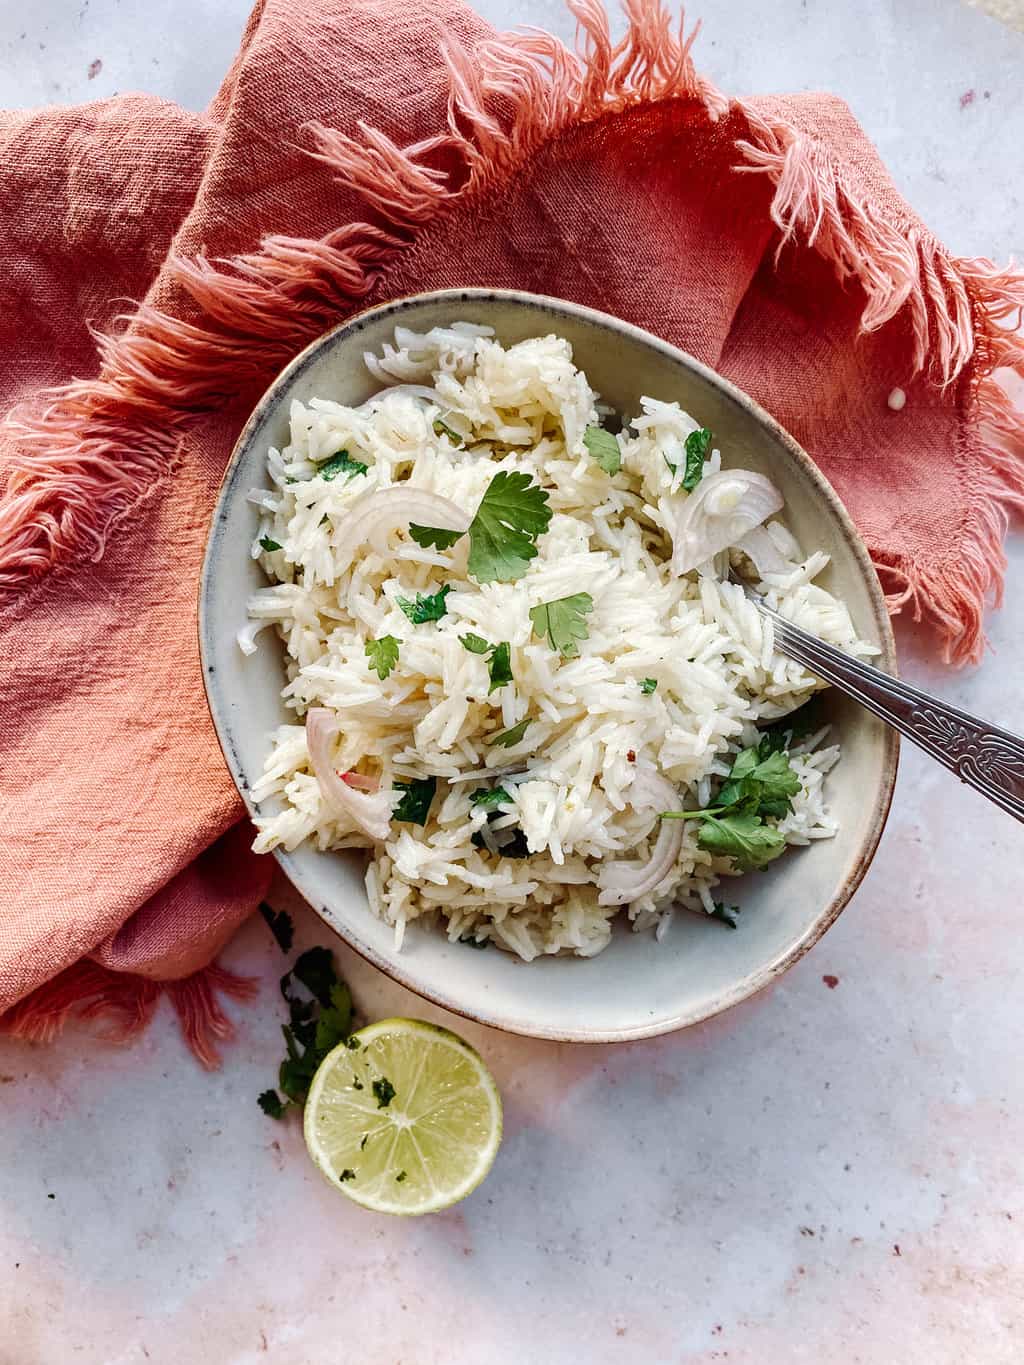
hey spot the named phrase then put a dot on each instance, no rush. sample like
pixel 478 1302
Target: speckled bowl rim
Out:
pixel 754 982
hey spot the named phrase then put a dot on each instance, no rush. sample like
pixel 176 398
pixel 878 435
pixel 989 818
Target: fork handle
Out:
pixel 987 758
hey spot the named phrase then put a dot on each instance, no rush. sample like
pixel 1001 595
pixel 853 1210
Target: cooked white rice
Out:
pixel 522 408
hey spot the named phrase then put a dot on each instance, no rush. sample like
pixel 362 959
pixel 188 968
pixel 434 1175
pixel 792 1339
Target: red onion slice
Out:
pixel 621 882
pixel 722 508
pixel 376 515
pixel 372 814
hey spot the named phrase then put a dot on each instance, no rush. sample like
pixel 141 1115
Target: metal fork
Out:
pixel 987 758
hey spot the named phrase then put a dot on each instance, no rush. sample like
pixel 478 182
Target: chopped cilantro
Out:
pixel 512 513
pixel 384 1092
pixel 427 607
pixel 280 923
pixel 696 452
pixel 443 429
pixel 726 913
pixel 562 623
pixel 433 537
pixel 400 1177
pixel 499 666
pixel 270 1103
pixel 489 797
pixel 509 737
pixel 472 942
pixel 648 686
pixel 476 644
pixel 604 449
pixel 269 545
pixel 340 464
pixel 382 654
pixel 414 806
pixel 315 969
pixel 347 1174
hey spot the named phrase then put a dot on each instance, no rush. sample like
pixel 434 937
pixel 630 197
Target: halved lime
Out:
pixel 403 1117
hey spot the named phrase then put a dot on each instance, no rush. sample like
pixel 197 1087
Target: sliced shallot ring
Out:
pixel 705 526
pixel 372 814
pixel 375 515
pixel 759 547
pixel 620 883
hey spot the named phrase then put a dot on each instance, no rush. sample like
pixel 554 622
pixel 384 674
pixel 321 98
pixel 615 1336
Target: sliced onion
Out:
pixel 759 547
pixel 621 882
pixel 722 508
pixel 375 515
pixel 360 782
pixel 372 814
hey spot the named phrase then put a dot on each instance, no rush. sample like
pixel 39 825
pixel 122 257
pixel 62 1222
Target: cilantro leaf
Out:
pixel 509 737
pixel 433 538
pixel 743 837
pixel 427 607
pixel 562 622
pixel 382 654
pixel 269 545
pixel 499 666
pixel 726 913
pixel 604 449
pixel 648 686
pixel 765 784
pixel 340 464
pixel 696 453
pixel 384 1092
pixel 476 644
pixel 270 1103
pixel 280 923
pixel 335 1021
pixel 443 429
pixel 512 514
pixel 414 806
pixel 315 969
pixel 486 798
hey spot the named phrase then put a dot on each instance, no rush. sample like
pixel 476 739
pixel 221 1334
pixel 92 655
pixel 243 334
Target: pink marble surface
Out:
pixel 828 1174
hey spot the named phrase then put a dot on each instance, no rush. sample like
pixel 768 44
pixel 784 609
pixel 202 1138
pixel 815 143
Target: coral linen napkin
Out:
pixel 360 150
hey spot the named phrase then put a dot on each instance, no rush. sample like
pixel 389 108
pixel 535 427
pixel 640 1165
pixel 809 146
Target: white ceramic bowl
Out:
pixel 636 987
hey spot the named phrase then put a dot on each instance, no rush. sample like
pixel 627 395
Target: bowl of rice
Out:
pixel 479 648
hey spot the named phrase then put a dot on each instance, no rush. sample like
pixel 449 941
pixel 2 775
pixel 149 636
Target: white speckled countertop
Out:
pixel 829 1174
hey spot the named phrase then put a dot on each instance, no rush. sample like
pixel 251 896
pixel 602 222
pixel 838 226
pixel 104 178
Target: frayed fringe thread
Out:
pixel 127 1002
pixel 100 444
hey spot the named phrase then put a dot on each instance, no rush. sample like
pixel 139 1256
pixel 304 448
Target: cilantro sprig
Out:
pixel 319 1018
pixel 512 513
pixel 561 622
pixel 759 787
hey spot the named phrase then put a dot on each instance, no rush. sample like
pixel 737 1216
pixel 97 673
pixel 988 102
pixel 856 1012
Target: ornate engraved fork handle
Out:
pixel 984 756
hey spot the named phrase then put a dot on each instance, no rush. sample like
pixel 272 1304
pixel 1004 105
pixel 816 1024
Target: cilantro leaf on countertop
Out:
pixel 427 607
pixel 340 464
pixel 316 1024
pixel 604 449
pixel 509 737
pixel 280 924
pixel 499 666
pixel 414 806
pixel 271 1104
pixel 382 654
pixel 433 537
pixel 512 513
pixel 476 644
pixel 697 444
pixel 562 623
